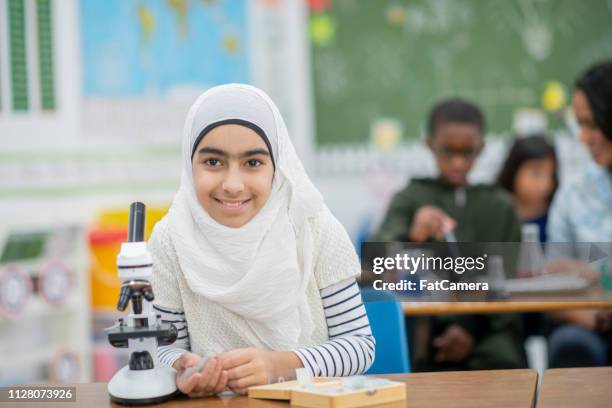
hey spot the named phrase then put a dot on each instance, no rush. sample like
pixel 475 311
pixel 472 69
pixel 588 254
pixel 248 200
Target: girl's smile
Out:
pixel 233 207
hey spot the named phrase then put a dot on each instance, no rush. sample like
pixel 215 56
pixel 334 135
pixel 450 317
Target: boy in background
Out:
pixel 427 209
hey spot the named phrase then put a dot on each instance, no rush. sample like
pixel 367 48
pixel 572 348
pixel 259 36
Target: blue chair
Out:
pixel 389 329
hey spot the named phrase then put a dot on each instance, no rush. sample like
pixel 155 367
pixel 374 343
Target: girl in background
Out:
pixel 530 175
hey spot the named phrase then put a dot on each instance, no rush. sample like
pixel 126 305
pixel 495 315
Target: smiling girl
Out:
pixel 249 263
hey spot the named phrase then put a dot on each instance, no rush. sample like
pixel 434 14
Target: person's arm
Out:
pixel 168 301
pixel 170 353
pixel 583 317
pixel 349 350
pixel 559 228
pixel 351 347
pixel 209 380
pixel 564 257
pixel 509 218
pixel 396 224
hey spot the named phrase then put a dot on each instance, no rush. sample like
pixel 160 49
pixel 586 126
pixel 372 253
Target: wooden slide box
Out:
pixel 309 398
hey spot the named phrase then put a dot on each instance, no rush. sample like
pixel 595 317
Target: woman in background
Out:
pixel 582 212
pixel 530 175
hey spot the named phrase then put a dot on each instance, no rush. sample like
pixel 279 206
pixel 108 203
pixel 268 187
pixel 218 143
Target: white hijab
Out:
pixel 259 271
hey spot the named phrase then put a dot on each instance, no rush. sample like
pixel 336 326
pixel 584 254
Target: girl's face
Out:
pixel 232 173
pixel 599 146
pixel 535 181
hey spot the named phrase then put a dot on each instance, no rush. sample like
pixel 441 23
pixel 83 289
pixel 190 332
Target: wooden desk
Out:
pixel 576 387
pixel 499 388
pixel 495 388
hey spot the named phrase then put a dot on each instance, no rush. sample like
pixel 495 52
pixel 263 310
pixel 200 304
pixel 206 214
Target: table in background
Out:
pixel 576 387
pixel 592 299
pixel 498 388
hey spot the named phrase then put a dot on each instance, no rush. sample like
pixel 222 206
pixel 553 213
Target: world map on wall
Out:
pixel 152 48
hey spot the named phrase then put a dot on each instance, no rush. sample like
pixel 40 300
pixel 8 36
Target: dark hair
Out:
pixel 240 122
pixel 596 83
pixel 455 110
pixel 523 149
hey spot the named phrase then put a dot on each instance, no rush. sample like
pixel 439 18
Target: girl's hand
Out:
pixel 603 320
pixel 430 222
pixel 574 266
pixel 249 366
pixel 210 380
pixel 454 345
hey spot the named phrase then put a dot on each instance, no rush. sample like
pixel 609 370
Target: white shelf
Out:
pixel 38 307
pixel 30 342
pixel 41 355
pixel 34 357
pixel 41 359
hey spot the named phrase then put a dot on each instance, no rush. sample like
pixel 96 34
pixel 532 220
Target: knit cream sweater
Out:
pixel 212 328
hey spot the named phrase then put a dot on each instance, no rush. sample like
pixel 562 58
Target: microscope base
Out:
pixel 130 387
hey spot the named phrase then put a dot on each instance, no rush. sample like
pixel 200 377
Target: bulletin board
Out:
pixel 394 59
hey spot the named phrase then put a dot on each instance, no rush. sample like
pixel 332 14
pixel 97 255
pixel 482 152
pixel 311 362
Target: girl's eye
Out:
pixel 212 162
pixel 254 163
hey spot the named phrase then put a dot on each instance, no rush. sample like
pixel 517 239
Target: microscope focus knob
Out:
pixel 141 360
pixel 148 293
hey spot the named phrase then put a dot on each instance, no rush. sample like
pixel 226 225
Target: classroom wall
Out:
pixel 119 115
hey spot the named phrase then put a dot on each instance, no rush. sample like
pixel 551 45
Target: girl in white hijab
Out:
pixel 249 263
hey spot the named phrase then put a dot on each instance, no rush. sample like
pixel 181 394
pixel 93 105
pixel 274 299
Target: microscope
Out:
pixel 144 380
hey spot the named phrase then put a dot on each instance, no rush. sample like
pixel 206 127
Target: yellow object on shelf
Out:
pixel 105 241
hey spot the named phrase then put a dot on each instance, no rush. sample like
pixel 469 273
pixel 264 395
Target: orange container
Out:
pixel 105 242
pixel 104 281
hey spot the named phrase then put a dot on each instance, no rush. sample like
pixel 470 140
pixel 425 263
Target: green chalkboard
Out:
pixel 374 59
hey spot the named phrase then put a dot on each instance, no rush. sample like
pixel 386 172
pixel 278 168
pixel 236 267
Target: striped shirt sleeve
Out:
pixel 170 353
pixel 351 347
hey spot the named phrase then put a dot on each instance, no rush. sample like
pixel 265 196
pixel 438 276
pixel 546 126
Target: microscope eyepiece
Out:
pixel 136 226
